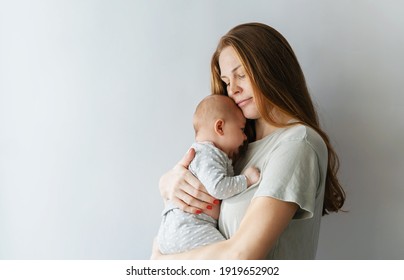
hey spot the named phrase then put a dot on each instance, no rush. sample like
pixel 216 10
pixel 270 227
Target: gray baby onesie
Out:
pixel 180 231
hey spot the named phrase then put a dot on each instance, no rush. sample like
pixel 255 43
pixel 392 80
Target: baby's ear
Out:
pixel 219 125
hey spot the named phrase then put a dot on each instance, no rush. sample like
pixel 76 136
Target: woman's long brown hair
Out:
pixel 278 81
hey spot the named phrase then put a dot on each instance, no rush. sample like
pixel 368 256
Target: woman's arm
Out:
pixel 181 187
pixel 265 220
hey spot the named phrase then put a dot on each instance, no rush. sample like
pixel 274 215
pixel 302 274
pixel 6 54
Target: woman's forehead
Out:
pixel 228 61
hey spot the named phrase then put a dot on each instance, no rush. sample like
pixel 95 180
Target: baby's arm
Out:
pixel 212 168
pixel 252 174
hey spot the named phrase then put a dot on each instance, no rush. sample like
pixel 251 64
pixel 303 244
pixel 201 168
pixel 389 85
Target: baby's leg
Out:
pixel 182 231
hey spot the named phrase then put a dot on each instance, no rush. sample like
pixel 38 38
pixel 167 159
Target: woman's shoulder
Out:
pixel 295 137
pixel 305 134
pixel 299 132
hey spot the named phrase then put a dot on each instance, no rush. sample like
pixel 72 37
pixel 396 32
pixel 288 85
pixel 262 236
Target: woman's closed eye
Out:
pixel 226 83
pixel 238 76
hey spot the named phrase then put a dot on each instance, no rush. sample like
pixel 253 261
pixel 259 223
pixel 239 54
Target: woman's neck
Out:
pixel 263 128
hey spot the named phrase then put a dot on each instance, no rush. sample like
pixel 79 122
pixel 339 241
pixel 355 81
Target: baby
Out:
pixel 219 134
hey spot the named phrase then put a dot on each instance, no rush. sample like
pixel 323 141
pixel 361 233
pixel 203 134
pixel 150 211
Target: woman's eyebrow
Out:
pixel 232 71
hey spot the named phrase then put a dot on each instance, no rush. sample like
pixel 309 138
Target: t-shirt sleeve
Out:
pixel 292 174
pixel 211 168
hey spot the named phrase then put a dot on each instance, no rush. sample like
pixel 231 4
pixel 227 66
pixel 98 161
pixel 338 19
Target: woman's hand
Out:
pixel 181 187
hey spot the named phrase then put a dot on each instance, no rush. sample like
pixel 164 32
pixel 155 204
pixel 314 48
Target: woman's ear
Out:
pixel 219 127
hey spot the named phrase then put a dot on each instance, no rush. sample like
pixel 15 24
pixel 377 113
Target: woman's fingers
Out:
pixel 190 189
pixel 193 202
pixel 196 191
pixel 186 191
pixel 188 157
pixel 185 207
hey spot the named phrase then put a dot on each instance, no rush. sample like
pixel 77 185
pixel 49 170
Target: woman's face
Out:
pixel 239 86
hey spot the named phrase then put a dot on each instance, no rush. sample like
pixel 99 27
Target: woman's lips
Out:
pixel 244 102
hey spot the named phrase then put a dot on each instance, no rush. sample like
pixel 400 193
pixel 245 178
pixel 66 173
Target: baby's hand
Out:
pixel 252 174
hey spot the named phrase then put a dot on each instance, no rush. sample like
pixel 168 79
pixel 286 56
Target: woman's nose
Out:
pixel 233 89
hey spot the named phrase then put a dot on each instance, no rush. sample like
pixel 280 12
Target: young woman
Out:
pixel 279 218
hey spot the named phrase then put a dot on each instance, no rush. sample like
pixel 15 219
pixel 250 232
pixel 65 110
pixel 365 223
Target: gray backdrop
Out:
pixel 96 100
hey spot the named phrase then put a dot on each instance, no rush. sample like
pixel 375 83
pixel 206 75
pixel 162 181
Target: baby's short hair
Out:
pixel 211 108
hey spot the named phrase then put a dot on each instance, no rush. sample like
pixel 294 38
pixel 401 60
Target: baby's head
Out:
pixel 219 120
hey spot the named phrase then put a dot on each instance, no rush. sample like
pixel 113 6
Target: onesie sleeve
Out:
pixel 292 174
pixel 213 168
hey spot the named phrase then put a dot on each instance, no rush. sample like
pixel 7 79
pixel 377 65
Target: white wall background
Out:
pixel 96 100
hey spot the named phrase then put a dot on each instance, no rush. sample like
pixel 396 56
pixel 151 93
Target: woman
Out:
pixel 280 217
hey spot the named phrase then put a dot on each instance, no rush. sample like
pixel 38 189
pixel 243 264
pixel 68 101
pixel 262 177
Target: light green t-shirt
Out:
pixel 293 164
